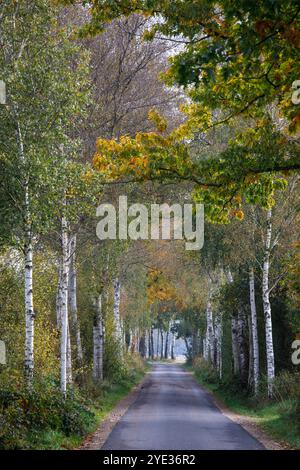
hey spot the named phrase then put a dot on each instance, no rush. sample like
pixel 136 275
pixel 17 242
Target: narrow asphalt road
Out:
pixel 172 412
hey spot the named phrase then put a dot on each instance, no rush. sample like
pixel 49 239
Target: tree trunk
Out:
pixel 235 347
pixel 167 345
pixel 29 312
pixel 152 343
pixel 162 344
pixel 242 347
pixel 234 336
pixel 142 345
pixel 28 270
pixel 59 297
pixel 205 350
pixel 69 358
pixel 194 344
pixel 267 307
pixel 149 344
pixel 73 300
pixel 210 335
pixel 188 349
pixel 250 366
pixel 98 340
pixel 173 347
pixel 64 307
pixel 254 333
pixel 117 296
pixel 218 335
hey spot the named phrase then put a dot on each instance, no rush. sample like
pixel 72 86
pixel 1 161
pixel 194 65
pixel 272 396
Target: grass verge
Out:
pixel 100 407
pixel 42 419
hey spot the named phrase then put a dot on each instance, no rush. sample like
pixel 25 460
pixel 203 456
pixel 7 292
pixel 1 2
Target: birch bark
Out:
pixel 218 334
pixel 98 331
pixel 64 307
pixel 210 334
pixel 59 297
pixel 28 270
pixel 69 357
pixel 29 311
pixel 73 299
pixel 267 306
pixel 117 320
pixel 254 333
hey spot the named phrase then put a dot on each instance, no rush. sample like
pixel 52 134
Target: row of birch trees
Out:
pixel 242 285
pixel 61 95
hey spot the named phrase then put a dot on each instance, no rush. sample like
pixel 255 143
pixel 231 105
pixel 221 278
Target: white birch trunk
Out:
pixel 29 312
pixel 69 358
pixel 98 331
pixel 117 320
pixel 73 299
pixel 210 335
pixel 28 272
pixel 157 343
pixel 205 350
pixel 64 308
pixel 59 297
pixel 267 307
pixel 170 345
pixel 218 333
pixel 137 340
pixel 162 344
pixel 59 302
pixel 242 351
pixel 254 333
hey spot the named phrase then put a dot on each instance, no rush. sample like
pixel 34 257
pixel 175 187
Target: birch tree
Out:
pixel 210 333
pixel 254 333
pixel 31 58
pixel 117 318
pixel 73 298
pixel 98 333
pixel 218 344
pixel 64 331
pixel 267 305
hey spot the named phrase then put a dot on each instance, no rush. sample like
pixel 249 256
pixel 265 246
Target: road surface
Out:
pixel 172 412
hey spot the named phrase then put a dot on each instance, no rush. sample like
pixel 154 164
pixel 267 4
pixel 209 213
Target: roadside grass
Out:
pixel 42 419
pixel 114 394
pixel 107 397
pixel 280 420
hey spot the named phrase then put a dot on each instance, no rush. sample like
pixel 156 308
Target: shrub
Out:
pixel 205 370
pixel 287 386
pixel 41 409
